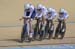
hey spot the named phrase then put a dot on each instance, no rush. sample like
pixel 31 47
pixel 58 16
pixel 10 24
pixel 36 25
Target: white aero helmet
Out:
pixel 62 10
pixel 39 6
pixel 51 10
pixel 27 6
pixel 32 6
pixel 43 7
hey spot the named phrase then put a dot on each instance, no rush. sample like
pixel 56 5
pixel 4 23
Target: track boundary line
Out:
pixel 38 44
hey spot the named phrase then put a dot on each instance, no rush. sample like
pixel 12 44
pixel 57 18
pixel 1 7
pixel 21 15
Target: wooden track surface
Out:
pixel 12 10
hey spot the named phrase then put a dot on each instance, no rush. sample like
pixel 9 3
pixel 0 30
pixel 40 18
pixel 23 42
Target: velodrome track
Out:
pixel 10 26
pixel 10 37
